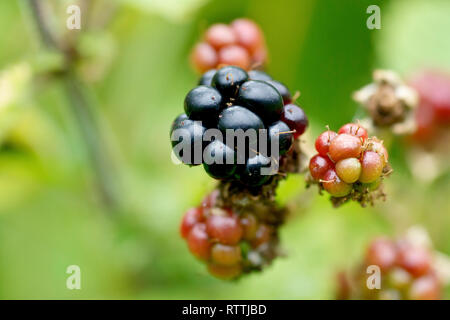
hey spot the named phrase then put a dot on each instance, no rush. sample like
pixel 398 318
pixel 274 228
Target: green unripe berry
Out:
pixel 349 170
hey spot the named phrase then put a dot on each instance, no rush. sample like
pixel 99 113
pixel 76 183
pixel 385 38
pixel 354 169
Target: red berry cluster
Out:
pixel 229 243
pixel 239 44
pixel 406 273
pixel 433 113
pixel 348 160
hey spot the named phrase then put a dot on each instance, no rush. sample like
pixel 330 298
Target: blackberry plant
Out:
pixel 244 128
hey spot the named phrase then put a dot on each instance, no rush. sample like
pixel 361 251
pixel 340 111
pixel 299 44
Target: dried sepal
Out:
pixel 389 102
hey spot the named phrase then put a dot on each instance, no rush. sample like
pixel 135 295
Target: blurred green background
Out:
pixel 135 67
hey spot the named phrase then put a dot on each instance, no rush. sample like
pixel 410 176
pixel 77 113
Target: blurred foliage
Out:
pixel 422 26
pixel 138 73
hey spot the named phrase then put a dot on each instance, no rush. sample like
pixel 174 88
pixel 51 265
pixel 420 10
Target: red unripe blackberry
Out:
pixel 345 146
pixel 357 163
pixel 240 44
pixel 225 272
pixel 407 272
pixel 382 252
pixel 433 112
pixel 250 226
pixel 424 117
pixel 355 130
pixel 425 288
pixel 204 57
pixel 230 243
pixel 248 33
pixel 198 242
pixel 415 260
pixel 434 91
pixel 225 255
pixel 224 228
pixel 323 142
pixel 234 55
pixel 348 169
pixel 371 167
pixel 220 35
pixel 334 185
pixel 319 165
pixel 191 217
pixel 263 235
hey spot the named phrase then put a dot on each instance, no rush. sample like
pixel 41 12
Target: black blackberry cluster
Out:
pixel 231 98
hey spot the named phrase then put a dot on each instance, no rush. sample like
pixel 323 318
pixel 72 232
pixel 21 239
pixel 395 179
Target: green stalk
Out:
pixel 82 110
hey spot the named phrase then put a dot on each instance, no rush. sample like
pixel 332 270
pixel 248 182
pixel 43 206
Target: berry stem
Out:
pixel 83 111
pixel 286 132
pixel 295 96
pixel 47 36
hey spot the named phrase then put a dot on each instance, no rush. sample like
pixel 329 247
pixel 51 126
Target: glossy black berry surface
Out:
pixel 178 121
pixel 252 174
pixel 237 117
pixel 282 90
pixel 262 98
pixel 228 80
pixel 219 160
pixel 187 135
pixel 232 114
pixel 280 131
pixel 203 103
pixel 258 75
pixel 206 79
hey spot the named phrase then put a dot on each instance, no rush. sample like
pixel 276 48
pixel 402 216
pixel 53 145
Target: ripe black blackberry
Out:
pixel 231 100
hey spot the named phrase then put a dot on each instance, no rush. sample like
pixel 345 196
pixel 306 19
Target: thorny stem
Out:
pixel 82 110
